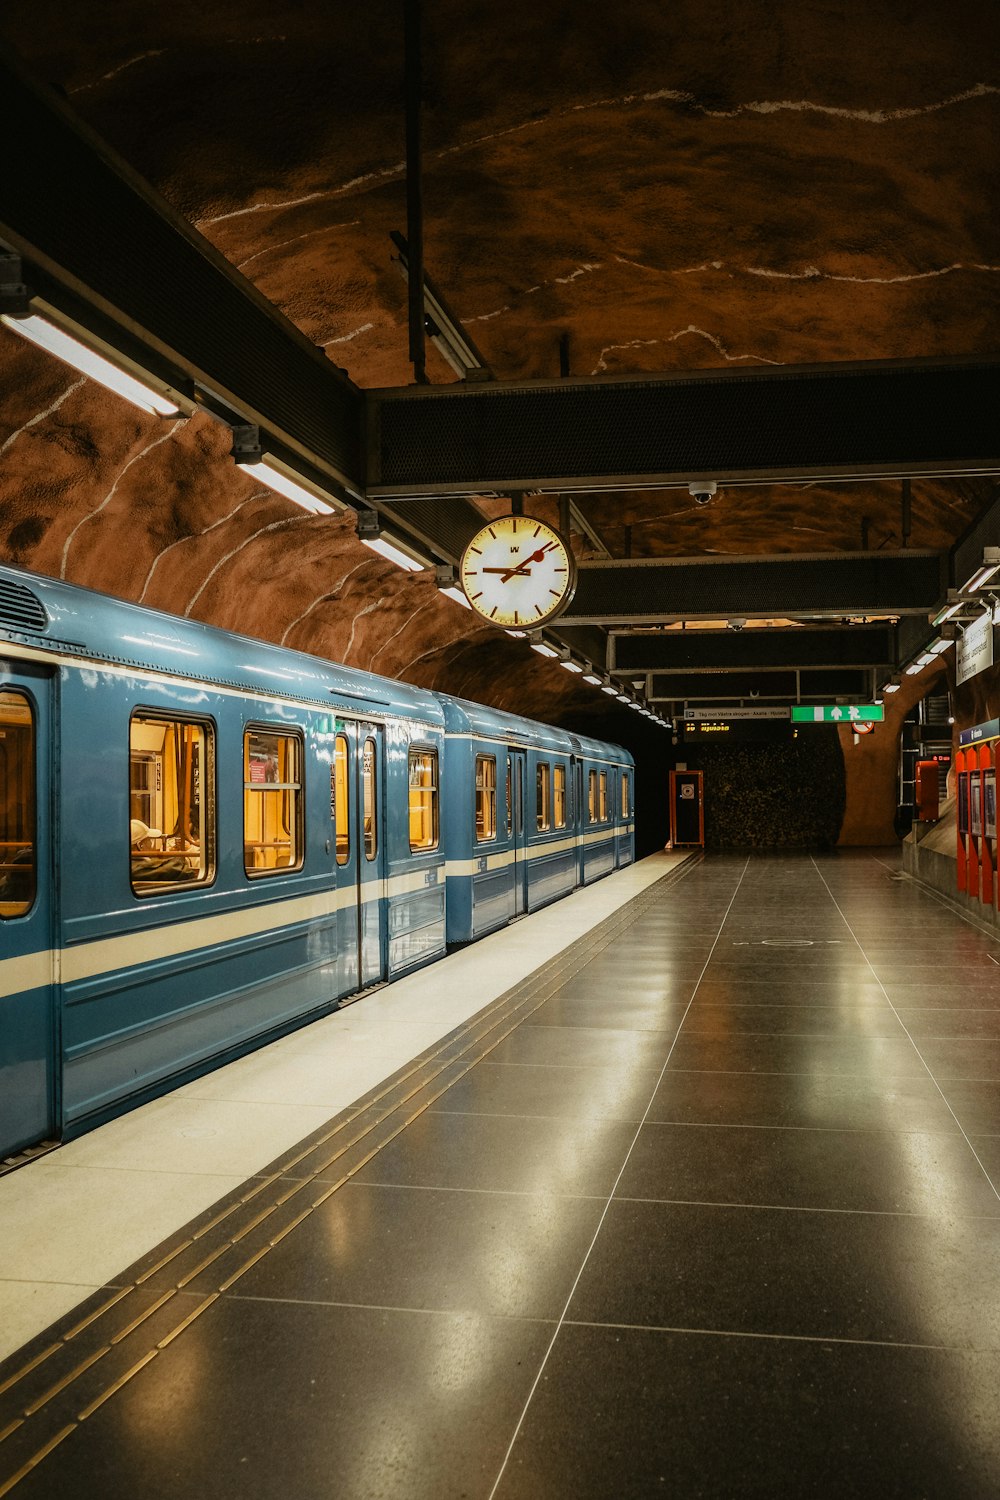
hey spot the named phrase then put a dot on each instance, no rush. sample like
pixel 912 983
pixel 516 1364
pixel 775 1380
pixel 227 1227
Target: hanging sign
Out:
pixel 974 649
pixel 724 714
pixel 988 731
pixel 838 713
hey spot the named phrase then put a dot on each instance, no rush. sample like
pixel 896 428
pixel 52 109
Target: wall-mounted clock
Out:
pixel 518 572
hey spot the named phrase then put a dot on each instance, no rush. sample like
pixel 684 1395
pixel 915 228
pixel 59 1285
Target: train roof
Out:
pixel 464 717
pixel 70 620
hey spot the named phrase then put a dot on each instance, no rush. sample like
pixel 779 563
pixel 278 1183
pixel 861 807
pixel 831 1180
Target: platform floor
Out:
pixel 702 1198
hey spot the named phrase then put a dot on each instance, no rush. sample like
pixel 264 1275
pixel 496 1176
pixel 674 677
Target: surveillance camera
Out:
pixel 702 490
pixel 735 624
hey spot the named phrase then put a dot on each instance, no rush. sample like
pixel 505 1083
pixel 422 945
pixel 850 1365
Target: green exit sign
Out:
pixel 839 713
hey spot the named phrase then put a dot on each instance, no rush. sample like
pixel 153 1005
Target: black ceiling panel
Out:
pixel 703 650
pixel 845 421
pixel 842 584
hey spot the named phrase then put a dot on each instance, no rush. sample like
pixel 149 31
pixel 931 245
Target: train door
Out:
pixel 517 770
pixel 580 805
pixel 359 770
pixel 27 916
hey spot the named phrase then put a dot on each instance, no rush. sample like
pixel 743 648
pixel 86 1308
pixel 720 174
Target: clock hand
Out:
pixel 506 571
pixel 535 557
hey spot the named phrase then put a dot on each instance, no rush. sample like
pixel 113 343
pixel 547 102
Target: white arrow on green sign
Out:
pixel 838 713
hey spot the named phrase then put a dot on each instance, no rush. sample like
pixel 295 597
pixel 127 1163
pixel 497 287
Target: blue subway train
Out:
pixel 206 841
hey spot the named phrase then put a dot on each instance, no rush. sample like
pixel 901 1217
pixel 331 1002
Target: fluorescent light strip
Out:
pixel 543 649
pixel 984 576
pixel 607 688
pixel 395 554
pixel 64 346
pixel 939 646
pixel 571 666
pixel 891 687
pixel 454 592
pixel 948 613
pixel 593 679
pixel 518 635
pixel 284 485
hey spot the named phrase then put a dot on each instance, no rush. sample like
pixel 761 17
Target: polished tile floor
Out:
pixel 709 1205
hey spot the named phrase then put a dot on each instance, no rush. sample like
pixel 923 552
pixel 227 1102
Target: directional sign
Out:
pixel 722 711
pixel 838 713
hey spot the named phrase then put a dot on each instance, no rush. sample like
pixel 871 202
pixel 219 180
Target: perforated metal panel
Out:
pixel 846 420
pixel 841 646
pixel 858 583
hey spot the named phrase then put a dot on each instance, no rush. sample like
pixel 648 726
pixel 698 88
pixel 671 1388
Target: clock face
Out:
pixel 518 572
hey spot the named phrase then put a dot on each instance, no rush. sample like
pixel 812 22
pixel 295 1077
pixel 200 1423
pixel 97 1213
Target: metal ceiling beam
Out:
pixel 761 649
pixel 781 687
pixel 791 423
pixel 106 250
pixel 849 584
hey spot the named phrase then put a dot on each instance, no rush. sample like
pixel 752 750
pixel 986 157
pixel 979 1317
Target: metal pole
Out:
pixel 907 514
pixel 414 186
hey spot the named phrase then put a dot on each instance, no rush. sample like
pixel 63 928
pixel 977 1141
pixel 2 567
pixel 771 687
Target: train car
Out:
pixel 206 840
pixel 518 833
pixel 606 781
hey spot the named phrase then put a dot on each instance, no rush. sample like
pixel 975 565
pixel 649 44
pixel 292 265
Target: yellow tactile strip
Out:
pixel 64 1376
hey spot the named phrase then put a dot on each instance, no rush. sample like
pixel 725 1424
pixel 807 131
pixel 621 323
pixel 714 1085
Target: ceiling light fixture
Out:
pixel 543 648
pixel 248 453
pixel 446 578
pixel 393 549
pixel 39 329
pixel 983 575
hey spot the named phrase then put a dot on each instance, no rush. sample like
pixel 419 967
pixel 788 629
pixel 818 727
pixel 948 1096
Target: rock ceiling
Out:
pixel 658 187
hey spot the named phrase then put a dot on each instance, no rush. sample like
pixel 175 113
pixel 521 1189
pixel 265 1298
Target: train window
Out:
pixel 423 799
pixel 17 806
pixel 591 796
pixel 543 807
pixel 341 819
pixel 559 796
pixel 171 803
pixel 602 797
pixel 486 797
pixel 625 801
pixel 272 801
pixel 369 802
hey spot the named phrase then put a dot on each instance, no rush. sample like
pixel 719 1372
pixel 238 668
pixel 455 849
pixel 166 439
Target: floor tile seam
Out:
pixel 549 1194
pixel 812 1208
pixel 817 1036
pixel 885 1131
pixel 388 1307
pixel 930 1073
pixel 942 900
pixel 791 1073
pixel 790 1338
pixel 587 1253
pixel 271 1175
